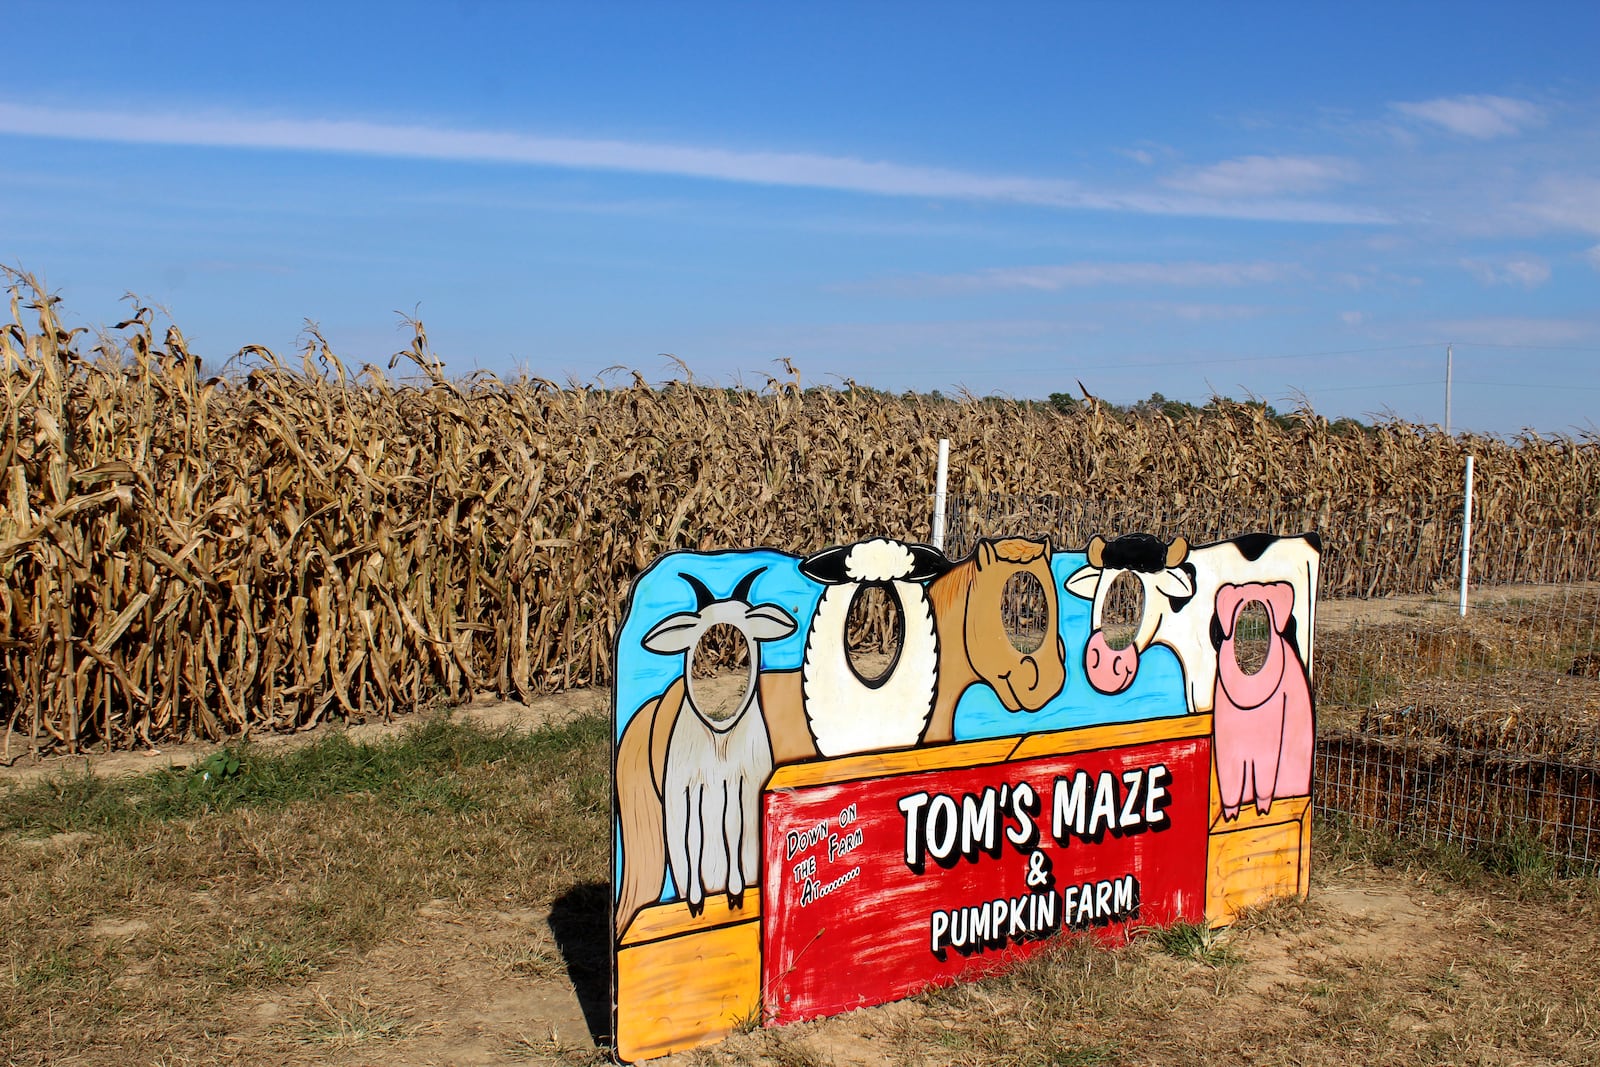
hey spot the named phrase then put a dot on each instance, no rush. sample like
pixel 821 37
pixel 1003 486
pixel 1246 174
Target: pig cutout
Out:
pixel 1264 730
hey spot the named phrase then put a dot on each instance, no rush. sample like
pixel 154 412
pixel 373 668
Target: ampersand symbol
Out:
pixel 1038 869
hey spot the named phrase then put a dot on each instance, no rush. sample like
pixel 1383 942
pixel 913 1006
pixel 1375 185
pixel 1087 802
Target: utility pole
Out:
pixel 1449 372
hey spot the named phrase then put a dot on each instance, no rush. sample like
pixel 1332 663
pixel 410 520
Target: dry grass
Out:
pixel 124 939
pixel 374 916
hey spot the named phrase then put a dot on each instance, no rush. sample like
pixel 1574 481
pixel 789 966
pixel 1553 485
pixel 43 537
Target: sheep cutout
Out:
pixel 715 767
pixel 845 712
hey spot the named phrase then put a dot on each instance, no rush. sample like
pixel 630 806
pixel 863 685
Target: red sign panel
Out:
pixel 875 889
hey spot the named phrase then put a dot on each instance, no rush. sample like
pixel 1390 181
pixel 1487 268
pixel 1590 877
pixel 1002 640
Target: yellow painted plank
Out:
pixel 1112 735
pixel 673 918
pixel 1253 865
pixel 680 992
pixel 988 751
pixel 1287 809
pixel 888 764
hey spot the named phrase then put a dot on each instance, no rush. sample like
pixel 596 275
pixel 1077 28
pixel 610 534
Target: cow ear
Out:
pixel 1175 582
pixel 1177 552
pixel 1083 582
pixel 927 562
pixel 1096 552
pixel 768 622
pixel 673 634
pixel 826 566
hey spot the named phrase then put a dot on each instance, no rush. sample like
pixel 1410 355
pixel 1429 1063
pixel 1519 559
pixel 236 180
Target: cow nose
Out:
pixel 1109 670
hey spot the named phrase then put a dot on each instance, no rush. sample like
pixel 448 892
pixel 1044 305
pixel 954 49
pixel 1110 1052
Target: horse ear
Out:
pixel 826 566
pixel 1177 552
pixel 928 562
pixel 986 554
pixel 1096 552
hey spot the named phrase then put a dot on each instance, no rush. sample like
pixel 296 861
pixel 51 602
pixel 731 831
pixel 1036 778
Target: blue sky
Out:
pixel 1249 199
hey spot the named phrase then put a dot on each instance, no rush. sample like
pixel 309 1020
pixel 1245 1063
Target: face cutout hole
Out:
pixel 1123 610
pixel 1252 637
pixel 719 672
pixel 1024 612
pixel 873 631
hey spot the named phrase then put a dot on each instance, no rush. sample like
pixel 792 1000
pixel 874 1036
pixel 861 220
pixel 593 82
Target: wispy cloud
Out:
pixel 842 173
pixel 1080 275
pixel 1516 330
pixel 1265 176
pixel 1526 271
pixel 1480 117
pixel 1593 256
pixel 1568 203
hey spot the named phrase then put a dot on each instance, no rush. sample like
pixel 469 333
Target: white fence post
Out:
pixel 1466 538
pixel 939 493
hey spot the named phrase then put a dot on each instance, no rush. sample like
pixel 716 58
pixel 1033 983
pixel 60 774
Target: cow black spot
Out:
pixel 1136 552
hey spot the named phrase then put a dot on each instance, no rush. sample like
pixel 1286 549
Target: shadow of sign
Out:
pixel 580 920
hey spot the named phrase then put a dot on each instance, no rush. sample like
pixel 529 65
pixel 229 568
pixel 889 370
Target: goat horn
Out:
pixel 741 592
pixel 702 596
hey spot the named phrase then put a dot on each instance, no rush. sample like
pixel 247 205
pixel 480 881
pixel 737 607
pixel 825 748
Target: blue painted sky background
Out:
pixel 1260 199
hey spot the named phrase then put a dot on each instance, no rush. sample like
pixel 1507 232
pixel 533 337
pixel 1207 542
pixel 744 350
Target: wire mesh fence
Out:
pixel 1481 730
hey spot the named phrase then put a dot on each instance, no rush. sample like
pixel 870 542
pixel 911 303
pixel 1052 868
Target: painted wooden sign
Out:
pixel 841 837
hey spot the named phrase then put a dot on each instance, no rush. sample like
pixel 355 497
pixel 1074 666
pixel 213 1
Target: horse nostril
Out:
pixel 1030 661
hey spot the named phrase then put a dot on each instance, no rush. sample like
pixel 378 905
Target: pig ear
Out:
pixel 768 622
pixel 675 633
pixel 1279 599
pixel 1083 582
pixel 1229 599
pixel 1175 582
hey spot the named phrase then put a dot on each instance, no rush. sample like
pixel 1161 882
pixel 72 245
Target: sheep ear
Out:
pixel 675 633
pixel 928 562
pixel 768 622
pixel 1083 582
pixel 826 566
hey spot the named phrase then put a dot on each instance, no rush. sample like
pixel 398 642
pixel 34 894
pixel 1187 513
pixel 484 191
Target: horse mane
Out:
pixel 1020 549
pixel 949 591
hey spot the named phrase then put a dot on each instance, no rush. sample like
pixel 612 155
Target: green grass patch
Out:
pixel 420 770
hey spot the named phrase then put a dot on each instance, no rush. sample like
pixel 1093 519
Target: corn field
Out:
pixel 193 554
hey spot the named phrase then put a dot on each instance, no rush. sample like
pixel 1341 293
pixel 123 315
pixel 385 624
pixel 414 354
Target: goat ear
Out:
pixel 768 622
pixel 675 633
pixel 928 563
pixel 1083 582
pixel 826 566
pixel 1175 582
